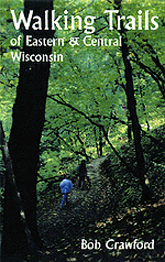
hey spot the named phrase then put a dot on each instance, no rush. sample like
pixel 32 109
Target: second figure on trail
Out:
pixel 82 174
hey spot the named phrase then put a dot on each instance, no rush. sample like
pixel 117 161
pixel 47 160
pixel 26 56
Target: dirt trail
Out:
pixel 89 216
pixel 78 196
pixel 63 227
pixel 82 202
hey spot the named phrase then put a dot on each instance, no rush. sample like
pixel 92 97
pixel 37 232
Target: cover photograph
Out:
pixel 82 131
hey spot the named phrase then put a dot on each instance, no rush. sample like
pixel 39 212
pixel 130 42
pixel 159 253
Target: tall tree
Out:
pixel 14 237
pixel 131 103
pixel 28 116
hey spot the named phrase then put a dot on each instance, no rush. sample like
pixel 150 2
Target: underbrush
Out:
pixel 111 209
pixel 124 189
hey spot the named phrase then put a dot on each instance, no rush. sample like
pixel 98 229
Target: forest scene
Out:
pixel 82 82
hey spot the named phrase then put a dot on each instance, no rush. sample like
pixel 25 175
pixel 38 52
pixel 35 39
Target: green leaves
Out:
pixel 89 84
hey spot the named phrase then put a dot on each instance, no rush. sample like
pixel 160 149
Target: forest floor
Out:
pixel 92 214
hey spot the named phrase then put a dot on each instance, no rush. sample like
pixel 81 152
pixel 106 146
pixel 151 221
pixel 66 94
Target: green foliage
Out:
pixel 9 70
pixel 110 209
pixel 87 89
pixel 86 96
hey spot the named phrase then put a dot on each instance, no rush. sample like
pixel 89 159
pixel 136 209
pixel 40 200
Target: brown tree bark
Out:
pixel 14 238
pixel 131 104
pixel 28 117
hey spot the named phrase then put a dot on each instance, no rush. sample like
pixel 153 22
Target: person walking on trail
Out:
pixel 82 174
pixel 65 185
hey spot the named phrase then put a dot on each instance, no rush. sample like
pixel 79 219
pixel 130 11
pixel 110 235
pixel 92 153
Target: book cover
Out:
pixel 82 129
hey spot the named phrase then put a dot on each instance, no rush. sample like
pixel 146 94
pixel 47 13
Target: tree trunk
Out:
pixel 131 103
pixel 28 117
pixel 100 142
pixel 14 238
pixel 129 128
pixel 132 109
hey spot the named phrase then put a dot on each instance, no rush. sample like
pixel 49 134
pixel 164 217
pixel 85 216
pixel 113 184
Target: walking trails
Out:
pixel 64 228
pixel 90 216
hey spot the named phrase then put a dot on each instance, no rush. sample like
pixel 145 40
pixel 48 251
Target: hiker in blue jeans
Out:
pixel 65 185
